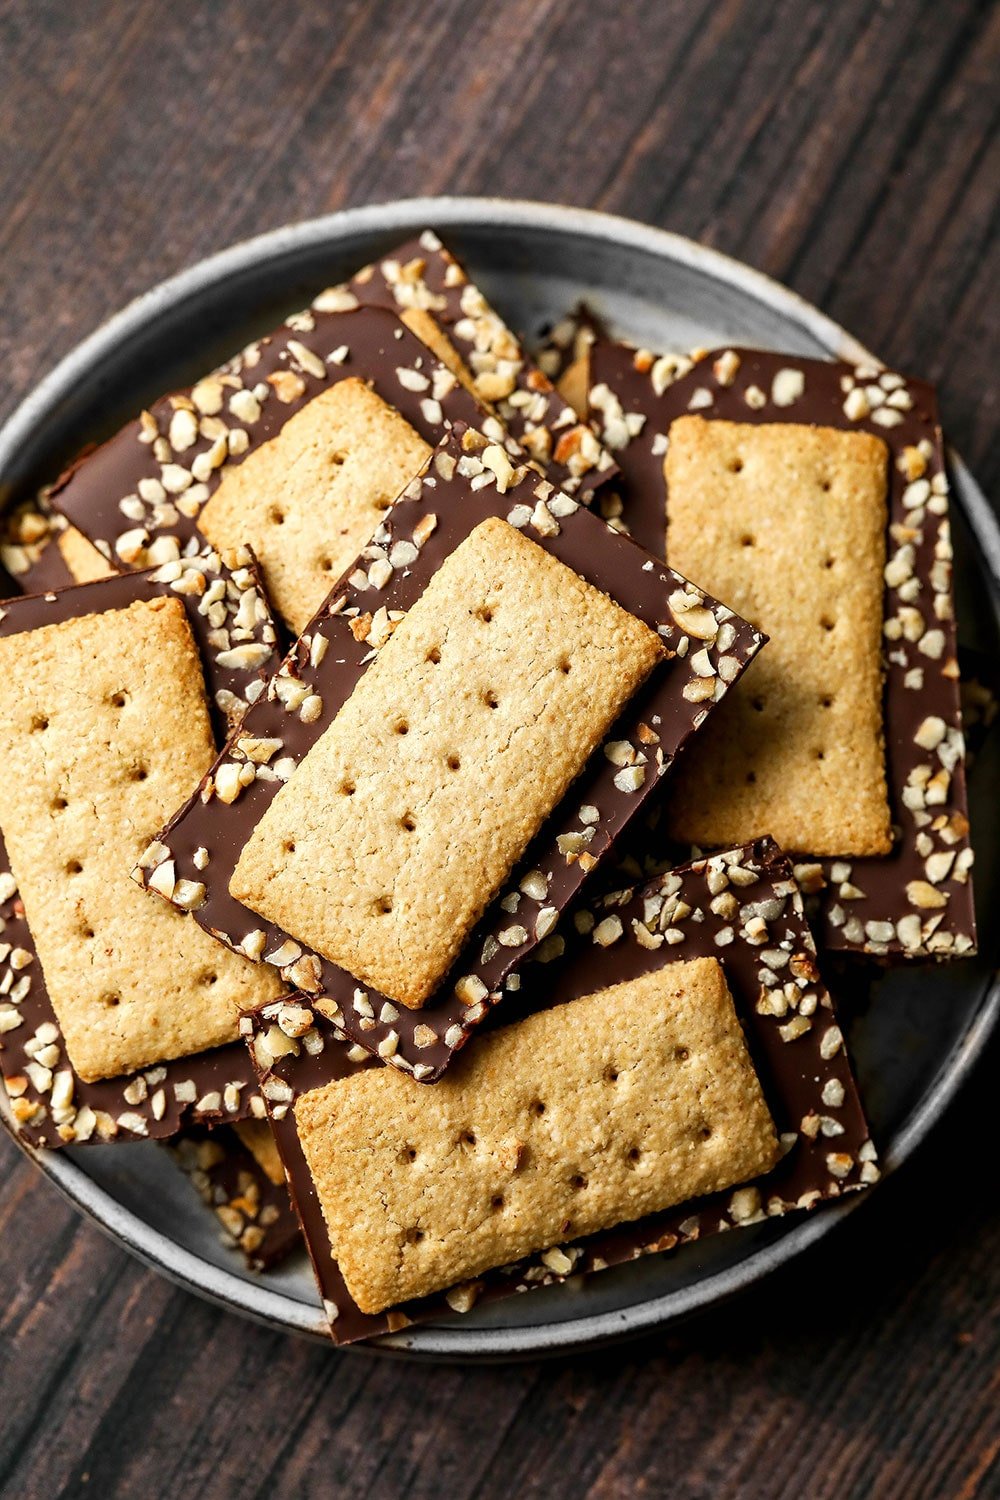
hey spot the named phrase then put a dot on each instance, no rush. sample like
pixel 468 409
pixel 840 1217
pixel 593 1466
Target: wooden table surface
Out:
pixel 852 151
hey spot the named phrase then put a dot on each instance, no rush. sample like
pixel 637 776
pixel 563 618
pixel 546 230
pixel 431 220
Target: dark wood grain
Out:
pixel 851 150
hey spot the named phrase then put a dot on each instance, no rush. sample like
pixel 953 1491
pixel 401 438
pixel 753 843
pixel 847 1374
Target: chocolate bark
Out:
pixel 742 908
pixel 917 901
pixel 49 1102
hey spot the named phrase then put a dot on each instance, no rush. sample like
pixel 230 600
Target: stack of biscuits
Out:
pixel 434 776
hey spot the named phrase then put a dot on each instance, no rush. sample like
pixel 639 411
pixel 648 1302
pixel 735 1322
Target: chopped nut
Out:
pixel 286 953
pixel 833 1093
pixel 163 879
pixel 830 1043
pixel 608 931
pixel 620 752
pixel 228 785
pixel 558 1261
pixel 744 1204
pixel 909 931
pixel 307 358
pixel 931 732
pixel 546 921
pixel 188 894
pixel 856 406
pixel 938 866
pixel 470 989
pixel 726 367
pixel 535 885
pixel 495 459
pixel 543 520
pixel 921 894
pixel 304 973
pixel 288 386
pixel 462 1299
pixel 787 386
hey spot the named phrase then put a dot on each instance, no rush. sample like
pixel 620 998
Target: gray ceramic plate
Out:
pixel 917 1034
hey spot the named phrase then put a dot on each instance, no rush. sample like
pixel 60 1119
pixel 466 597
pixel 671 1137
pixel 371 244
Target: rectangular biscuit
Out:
pixel 402 821
pixel 96 753
pixel 346 454
pixel 916 900
pixel 742 908
pixel 787 522
pixel 622 1103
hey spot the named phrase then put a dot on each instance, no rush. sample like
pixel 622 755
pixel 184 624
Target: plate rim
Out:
pixel 460 1342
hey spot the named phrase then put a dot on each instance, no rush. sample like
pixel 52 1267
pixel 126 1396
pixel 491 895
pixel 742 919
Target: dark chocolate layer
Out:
pixel 32 560
pixel 422 275
pixel 255 1215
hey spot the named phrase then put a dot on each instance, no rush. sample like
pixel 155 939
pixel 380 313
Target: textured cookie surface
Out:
pixel 308 500
pixel 579 1118
pixel 787 524
pixel 96 753
pixel 401 822
pixel 429 331
pixel 573 385
pixel 82 558
pixel 258 1138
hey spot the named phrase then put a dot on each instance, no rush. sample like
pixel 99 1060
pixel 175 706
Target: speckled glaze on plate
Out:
pixel 916 1033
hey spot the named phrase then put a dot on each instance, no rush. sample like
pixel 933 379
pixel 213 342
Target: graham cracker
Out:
pixel 96 753
pixel 258 1138
pixel 429 331
pixel 400 824
pixel 787 522
pixel 573 385
pixel 309 499
pixel 81 557
pixel 577 1119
